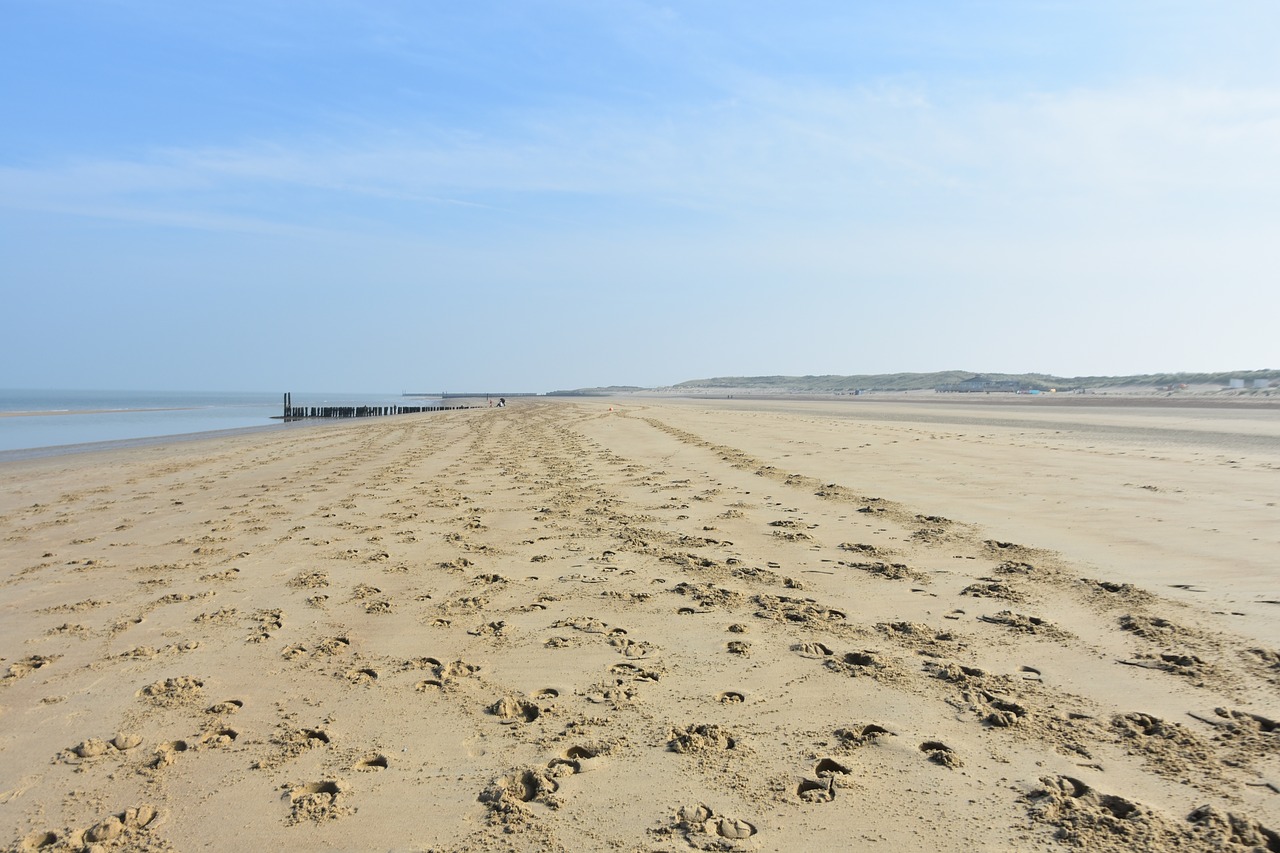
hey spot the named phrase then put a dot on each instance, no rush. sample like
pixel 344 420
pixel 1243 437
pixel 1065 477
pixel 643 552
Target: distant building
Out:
pixel 1235 383
pixel 980 384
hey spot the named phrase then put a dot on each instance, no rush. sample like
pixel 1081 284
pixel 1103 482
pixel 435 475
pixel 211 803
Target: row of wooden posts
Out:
pixel 293 413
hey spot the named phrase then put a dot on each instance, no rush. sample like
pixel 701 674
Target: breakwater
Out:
pixel 295 413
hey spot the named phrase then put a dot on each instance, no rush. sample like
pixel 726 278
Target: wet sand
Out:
pixel 652 625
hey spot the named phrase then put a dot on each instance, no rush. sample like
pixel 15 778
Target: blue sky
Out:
pixel 540 195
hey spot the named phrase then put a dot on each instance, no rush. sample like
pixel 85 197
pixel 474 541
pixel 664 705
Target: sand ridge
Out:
pixel 589 625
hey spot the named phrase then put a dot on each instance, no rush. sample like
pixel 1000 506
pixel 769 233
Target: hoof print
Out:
pixel 866 658
pixel 1004 713
pixel 173 692
pixel 513 709
pixel 317 802
pixel 940 753
pixel 558 767
pixel 316 737
pixel 167 753
pixel 579 759
pixel 509 794
pixel 456 669
pixel 702 738
pixel 228 707
pixel 636 673
pixel 363 676
pixel 830 767
pixel 811 650
pixel 39 840
pixel 91 748
pixel 221 737
pixel 700 821
pixel 816 792
pixel 855 736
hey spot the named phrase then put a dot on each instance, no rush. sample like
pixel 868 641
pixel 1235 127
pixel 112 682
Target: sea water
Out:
pixel 53 418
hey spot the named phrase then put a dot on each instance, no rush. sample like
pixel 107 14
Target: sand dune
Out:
pixel 651 625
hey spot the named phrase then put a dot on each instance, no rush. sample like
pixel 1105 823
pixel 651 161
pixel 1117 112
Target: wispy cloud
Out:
pixel 773 152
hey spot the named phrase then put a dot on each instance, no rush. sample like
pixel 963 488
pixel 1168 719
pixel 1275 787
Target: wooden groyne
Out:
pixel 295 413
pixel 459 395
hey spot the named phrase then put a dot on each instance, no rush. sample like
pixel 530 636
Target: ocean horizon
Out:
pixel 41 418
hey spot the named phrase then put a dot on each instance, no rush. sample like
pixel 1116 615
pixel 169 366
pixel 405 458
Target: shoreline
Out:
pixel 59 412
pixel 56 450
pixel 276 424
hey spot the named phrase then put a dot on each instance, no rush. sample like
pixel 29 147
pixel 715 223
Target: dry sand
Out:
pixel 652 625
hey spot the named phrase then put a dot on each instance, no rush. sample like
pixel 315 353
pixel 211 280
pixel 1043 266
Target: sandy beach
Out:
pixel 652 624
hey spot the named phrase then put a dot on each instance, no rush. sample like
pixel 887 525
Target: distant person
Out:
pixel 502 402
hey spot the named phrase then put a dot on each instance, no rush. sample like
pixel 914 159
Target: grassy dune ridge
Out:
pixel 837 384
